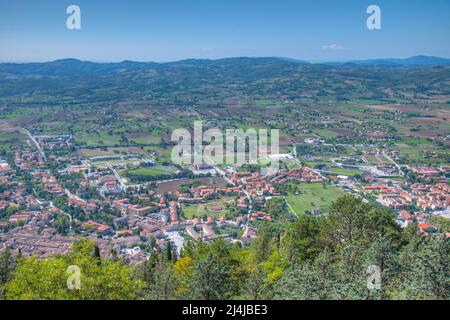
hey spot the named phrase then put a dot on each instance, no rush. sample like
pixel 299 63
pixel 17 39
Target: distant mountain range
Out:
pixel 81 66
pixel 194 81
pixel 274 66
pixel 75 67
pixel 412 61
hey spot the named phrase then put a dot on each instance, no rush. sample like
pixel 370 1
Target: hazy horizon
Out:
pixel 214 59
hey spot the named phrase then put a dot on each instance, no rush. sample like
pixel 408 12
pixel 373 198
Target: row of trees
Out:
pixel 312 258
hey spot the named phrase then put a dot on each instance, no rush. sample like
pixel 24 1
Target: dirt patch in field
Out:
pixel 397 108
pixel 344 132
pixel 173 186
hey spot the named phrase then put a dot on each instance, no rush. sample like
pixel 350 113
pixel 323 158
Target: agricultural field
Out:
pixel 352 107
pixel 101 139
pixel 111 151
pixel 10 138
pixel 370 101
pixel 423 153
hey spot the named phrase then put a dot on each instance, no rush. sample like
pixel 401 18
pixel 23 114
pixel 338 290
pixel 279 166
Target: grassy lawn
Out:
pixel 102 139
pixel 352 107
pixel 153 171
pixel 325 133
pixel 145 140
pixel 313 196
pixel 290 164
pixel 12 138
pixel 313 164
pixel 415 142
pixel 213 208
pixel 343 171
pixel 9 116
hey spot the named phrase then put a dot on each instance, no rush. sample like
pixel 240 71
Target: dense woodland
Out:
pixel 311 258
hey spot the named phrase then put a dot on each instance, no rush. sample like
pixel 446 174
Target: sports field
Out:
pixel 153 171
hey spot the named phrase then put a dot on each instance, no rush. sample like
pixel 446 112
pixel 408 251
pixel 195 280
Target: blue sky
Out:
pixel 167 30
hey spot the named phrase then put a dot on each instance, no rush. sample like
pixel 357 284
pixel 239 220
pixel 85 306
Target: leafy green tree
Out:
pixel 351 276
pixel 301 241
pixel 210 279
pixel 430 277
pixel 47 279
pixel 312 281
pixel 384 254
pixel 299 284
pixel 347 221
pixel 61 224
pixel 169 251
pixel 381 223
pixel 261 246
pixel 255 286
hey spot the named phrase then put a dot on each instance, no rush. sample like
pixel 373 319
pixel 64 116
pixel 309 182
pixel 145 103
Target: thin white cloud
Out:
pixel 332 47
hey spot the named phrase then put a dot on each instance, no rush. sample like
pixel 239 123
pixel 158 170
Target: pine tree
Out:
pixel 255 286
pixel 169 251
pixel 7 266
pixel 210 279
pixel 431 272
pixel 97 254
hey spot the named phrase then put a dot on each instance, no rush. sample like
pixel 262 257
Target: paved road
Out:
pixel 35 142
pixel 313 170
pixel 122 184
pixel 395 163
pixel 176 239
pixel 26 132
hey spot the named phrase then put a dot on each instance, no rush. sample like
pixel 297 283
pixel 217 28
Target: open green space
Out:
pixel 343 171
pixel 326 133
pixel 153 171
pixel 101 139
pixel 313 196
pixel 352 107
pixel 215 208
pixel 370 101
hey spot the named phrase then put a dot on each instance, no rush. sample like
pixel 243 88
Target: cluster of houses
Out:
pixel 205 230
pixel 5 168
pixel 427 171
pixel 27 159
pixel 145 216
pixel 415 202
pixel 203 193
pixel 49 182
pixel 426 197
